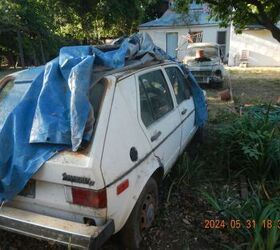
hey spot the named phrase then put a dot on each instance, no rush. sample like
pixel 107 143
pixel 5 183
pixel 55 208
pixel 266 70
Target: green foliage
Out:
pixel 252 144
pixel 259 219
pixel 34 21
pixel 248 145
pixel 188 172
pixel 46 25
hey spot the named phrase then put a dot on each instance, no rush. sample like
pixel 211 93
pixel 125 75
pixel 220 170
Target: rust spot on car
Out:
pixel 108 83
pixel 80 153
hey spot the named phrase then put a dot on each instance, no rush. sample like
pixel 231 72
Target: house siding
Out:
pixel 263 49
pixel 209 35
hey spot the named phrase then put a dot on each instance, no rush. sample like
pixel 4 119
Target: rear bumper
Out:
pixel 58 230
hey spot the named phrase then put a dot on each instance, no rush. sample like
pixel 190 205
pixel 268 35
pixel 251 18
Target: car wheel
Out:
pixel 141 217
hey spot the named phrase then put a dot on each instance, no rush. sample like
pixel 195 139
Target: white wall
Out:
pixel 263 49
pixel 209 35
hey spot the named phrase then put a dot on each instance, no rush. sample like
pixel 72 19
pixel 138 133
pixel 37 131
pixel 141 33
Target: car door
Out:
pixel 185 102
pixel 159 116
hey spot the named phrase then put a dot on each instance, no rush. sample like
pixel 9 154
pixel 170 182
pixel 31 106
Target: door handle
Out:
pixel 184 111
pixel 155 136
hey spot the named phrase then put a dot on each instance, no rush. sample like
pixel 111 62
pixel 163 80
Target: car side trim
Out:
pixel 148 154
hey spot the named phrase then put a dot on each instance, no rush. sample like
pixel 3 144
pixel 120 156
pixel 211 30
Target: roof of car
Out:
pixel 99 72
pixel 129 71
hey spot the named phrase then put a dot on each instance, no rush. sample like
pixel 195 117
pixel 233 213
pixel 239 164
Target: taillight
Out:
pixel 86 197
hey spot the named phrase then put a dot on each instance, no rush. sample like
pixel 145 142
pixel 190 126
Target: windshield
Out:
pixel 209 52
pixel 10 95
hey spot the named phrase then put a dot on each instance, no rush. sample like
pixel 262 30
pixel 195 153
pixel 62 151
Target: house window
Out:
pixel 196 37
pixel 221 40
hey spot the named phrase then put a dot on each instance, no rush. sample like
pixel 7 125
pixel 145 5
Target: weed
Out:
pixel 187 172
pixel 252 144
pixel 258 218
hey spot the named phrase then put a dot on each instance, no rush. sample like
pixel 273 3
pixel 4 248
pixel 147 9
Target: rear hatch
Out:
pixel 70 185
pixel 64 187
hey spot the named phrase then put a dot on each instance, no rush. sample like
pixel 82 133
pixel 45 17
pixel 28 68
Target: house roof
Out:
pixel 254 27
pixel 171 18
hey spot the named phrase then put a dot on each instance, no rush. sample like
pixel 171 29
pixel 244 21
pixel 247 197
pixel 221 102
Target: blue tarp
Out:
pixel 55 112
pixel 201 113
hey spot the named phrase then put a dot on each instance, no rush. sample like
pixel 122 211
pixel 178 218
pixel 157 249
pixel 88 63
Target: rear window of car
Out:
pixel 155 97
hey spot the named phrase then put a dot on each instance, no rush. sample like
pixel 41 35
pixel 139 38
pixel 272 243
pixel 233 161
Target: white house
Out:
pixel 172 32
pixel 255 47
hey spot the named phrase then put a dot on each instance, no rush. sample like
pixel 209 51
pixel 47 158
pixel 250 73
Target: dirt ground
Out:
pixel 180 221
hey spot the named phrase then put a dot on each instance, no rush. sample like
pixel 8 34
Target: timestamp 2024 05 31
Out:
pixel 239 224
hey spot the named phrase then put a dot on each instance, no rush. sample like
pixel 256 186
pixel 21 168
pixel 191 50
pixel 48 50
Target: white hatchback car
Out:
pixel 145 119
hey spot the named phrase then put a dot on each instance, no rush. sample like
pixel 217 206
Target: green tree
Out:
pixel 32 31
pixel 96 20
pixel 27 31
pixel 241 13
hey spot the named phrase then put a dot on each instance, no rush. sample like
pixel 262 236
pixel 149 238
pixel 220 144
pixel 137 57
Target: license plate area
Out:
pixel 29 189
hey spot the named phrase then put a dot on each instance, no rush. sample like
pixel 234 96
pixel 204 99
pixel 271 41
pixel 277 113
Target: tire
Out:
pixel 141 217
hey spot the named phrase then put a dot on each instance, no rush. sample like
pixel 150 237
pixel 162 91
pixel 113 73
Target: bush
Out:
pixel 258 220
pixel 251 144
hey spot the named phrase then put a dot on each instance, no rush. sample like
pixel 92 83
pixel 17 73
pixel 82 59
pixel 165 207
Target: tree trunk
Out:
pixel 275 31
pixel 265 20
pixel 21 55
pixel 35 59
pixel 11 59
pixel 42 51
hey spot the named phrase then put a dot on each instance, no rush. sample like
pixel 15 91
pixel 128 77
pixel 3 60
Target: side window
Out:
pixel 179 84
pixel 146 111
pixel 155 97
pixel 95 96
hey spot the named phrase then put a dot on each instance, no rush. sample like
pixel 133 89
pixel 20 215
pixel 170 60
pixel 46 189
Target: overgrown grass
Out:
pixel 239 146
pixel 251 145
pixel 257 218
pixel 188 172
